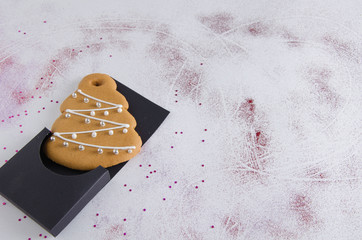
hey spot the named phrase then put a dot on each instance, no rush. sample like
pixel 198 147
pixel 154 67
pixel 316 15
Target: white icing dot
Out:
pixel 74 136
pixel 74 95
pixel 125 130
pixel 86 100
pixel 92 113
pixel 119 110
pixel 81 147
pixel 98 104
pixel 100 150
pixel 52 138
pixel 94 134
pixel 67 115
pixel 87 120
pixel 110 132
pixel 102 123
pixel 129 150
pixel 106 113
pixel 115 151
pixel 65 144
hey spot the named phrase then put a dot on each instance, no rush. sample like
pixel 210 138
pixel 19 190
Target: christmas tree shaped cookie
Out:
pixel 95 127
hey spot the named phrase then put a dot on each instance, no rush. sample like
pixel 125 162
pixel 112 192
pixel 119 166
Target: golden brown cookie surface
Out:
pixel 95 127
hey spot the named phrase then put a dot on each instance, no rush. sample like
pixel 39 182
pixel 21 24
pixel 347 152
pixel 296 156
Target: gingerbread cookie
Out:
pixel 95 127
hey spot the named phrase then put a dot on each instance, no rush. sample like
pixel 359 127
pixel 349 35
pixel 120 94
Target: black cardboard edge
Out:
pixel 91 193
pixel 24 178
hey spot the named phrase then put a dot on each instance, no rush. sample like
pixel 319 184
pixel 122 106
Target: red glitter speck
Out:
pixel 196 187
pixel 4 203
pixel 19 219
pixel 144 209
pixel 130 190
pixel 40 235
pixel 147 176
pixel 124 219
pixel 149 165
pixel 140 165
pixel 44 21
pixel 125 185
pixel 94 225
pixel 212 226
pixel 164 199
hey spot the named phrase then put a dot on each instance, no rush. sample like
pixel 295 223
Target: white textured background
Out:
pixel 264 136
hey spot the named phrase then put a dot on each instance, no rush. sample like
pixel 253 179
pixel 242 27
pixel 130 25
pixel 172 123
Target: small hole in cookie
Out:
pixel 97 83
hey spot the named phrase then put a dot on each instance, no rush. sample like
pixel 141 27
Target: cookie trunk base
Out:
pixel 53 195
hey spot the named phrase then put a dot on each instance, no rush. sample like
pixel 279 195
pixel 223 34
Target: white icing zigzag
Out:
pixel 87 121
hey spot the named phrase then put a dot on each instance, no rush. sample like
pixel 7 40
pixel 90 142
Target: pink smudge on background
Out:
pixel 218 22
pixel 342 48
pixel 232 226
pixel 258 29
pixel 257 138
pixel 320 78
pixel 300 204
pixel 114 231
